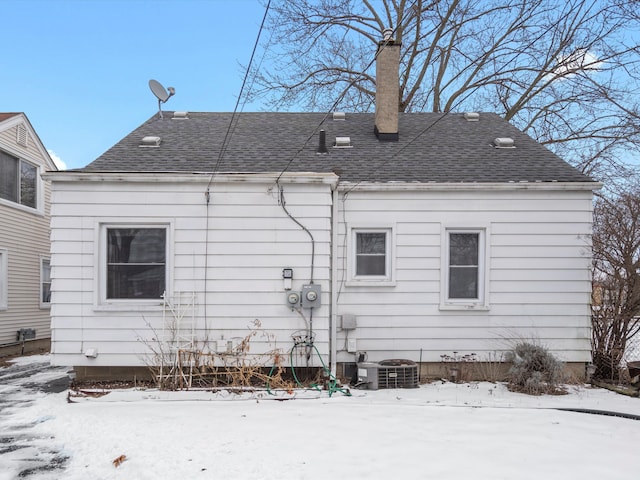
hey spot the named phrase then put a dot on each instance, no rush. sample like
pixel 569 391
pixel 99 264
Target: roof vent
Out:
pixel 21 135
pixel 472 116
pixel 322 143
pixel 339 116
pixel 504 142
pixel 180 116
pixel 342 142
pixel 150 141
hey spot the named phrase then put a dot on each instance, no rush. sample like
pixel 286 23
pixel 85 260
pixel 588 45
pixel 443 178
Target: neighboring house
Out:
pixel 421 234
pixel 24 236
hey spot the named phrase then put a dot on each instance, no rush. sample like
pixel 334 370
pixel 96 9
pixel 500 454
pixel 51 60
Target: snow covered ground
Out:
pixel 438 431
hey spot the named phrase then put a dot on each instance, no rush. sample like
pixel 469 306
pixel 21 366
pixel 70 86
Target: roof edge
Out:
pixel 475 186
pixel 191 177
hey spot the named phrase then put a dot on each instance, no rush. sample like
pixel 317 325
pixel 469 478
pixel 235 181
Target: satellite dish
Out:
pixel 161 94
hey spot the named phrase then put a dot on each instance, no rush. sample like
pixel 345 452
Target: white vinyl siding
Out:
pixel 24 236
pixel 234 269
pixel 536 273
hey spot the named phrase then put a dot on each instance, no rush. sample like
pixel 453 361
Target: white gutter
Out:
pixel 493 186
pixel 192 177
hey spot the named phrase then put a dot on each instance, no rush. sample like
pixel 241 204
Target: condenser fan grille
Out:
pixel 401 376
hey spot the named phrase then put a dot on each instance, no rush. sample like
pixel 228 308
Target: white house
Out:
pixel 420 234
pixel 24 236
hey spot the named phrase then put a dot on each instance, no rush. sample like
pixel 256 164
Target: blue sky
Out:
pixel 79 69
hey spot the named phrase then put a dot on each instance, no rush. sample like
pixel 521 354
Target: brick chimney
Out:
pixel 387 88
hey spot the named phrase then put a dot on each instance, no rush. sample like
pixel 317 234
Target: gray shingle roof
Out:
pixel 432 148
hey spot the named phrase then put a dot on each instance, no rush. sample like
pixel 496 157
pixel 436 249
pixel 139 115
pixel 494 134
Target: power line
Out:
pixel 227 136
pixel 343 93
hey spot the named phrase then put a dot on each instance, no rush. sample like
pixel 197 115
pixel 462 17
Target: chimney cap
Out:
pixel 387 34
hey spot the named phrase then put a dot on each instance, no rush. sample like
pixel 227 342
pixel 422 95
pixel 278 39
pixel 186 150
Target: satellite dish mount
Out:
pixel 161 94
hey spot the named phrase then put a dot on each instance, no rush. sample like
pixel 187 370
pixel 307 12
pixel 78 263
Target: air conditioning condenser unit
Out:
pixel 395 373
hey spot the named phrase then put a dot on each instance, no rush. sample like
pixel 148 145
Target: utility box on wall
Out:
pixel 349 321
pixel 310 297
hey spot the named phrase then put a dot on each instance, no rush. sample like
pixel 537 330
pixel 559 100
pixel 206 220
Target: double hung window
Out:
pixel 45 283
pixel 136 263
pixel 464 276
pixel 371 254
pixel 4 280
pixel 18 181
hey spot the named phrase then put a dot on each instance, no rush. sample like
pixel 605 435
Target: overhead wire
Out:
pixel 227 136
pixel 445 113
pixel 309 344
pixel 356 78
pixel 221 153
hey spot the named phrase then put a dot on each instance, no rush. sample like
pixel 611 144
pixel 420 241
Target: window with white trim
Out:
pixel 464 279
pixel 135 262
pixel 45 283
pixel 371 254
pixel 18 180
pixel 4 279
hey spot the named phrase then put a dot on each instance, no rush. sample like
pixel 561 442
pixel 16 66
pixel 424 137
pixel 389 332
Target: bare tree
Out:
pixel 615 309
pixel 565 72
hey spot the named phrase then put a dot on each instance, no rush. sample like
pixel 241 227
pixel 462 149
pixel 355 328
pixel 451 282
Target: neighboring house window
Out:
pixel 371 254
pixel 136 261
pixel 465 271
pixel 45 282
pixel 4 279
pixel 18 180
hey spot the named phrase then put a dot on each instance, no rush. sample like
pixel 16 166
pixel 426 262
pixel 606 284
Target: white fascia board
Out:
pixel 193 177
pixel 460 186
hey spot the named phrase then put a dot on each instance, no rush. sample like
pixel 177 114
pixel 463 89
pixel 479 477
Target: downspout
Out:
pixel 333 316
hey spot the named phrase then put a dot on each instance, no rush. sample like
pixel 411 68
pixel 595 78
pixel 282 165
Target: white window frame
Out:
pixel 375 280
pixel 4 278
pixel 39 207
pixel 101 301
pixel 44 304
pixel 481 302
